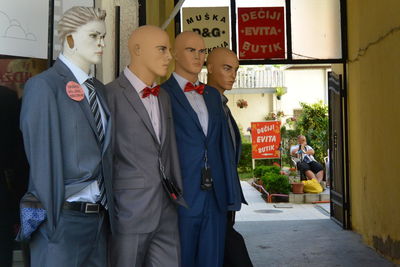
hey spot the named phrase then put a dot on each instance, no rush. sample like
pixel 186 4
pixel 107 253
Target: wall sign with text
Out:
pixel 261 32
pixel 212 23
pixel 265 139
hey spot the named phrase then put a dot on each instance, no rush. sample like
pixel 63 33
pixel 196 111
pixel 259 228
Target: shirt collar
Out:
pixel 135 80
pixel 79 74
pixel 182 81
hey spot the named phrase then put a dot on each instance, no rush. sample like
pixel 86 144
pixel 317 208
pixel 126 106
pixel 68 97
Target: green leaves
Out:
pixel 313 123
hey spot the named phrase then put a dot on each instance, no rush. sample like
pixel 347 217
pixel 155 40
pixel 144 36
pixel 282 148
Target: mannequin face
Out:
pixel 88 42
pixel 155 53
pixel 223 70
pixel 190 54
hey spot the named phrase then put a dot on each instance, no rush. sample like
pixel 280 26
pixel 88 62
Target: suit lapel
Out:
pixel 137 105
pixel 162 101
pixel 84 105
pixel 210 108
pixel 180 96
pixel 238 139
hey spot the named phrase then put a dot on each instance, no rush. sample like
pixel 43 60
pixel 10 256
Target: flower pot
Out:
pixel 297 188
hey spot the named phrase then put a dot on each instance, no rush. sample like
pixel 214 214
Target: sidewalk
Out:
pixel 259 210
pixel 299 236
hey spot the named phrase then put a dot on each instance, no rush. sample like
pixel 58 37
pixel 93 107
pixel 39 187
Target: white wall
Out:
pixel 258 107
pixel 303 85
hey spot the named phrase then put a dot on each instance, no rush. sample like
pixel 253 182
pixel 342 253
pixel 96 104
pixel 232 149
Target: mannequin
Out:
pixel 205 155
pixel 189 55
pixel 64 121
pixel 145 150
pixel 222 66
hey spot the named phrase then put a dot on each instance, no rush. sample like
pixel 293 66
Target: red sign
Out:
pixel 265 139
pixel 261 32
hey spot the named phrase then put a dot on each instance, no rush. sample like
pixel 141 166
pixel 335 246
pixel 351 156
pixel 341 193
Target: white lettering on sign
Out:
pixel 266 139
pixel 266 128
pixel 247 46
pixel 261 31
pixel 265 149
pixel 261 14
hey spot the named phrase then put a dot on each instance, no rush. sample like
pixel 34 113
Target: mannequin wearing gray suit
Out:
pixel 70 159
pixel 143 144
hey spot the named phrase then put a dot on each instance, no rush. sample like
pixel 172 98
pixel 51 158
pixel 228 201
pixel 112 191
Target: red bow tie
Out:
pixel 198 88
pixel 151 91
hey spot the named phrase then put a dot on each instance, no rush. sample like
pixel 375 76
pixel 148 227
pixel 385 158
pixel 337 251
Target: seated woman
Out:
pixel 305 160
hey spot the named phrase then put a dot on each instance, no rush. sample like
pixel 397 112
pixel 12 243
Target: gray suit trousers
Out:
pixel 78 241
pixel 159 248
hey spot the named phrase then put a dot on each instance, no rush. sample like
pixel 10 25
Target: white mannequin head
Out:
pixel 82 31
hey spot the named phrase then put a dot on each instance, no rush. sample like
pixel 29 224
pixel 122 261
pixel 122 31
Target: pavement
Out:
pixel 296 235
pixel 259 210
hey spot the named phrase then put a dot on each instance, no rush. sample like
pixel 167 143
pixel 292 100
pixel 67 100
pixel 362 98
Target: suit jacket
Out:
pixel 139 195
pixel 192 145
pixel 237 140
pixel 61 142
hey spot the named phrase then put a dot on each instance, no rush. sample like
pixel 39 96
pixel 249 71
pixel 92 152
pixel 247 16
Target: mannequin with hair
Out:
pixel 65 123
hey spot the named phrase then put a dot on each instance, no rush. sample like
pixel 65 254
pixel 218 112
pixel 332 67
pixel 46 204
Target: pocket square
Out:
pixel 32 215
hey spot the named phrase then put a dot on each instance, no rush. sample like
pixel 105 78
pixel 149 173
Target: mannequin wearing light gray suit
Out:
pixel 146 220
pixel 66 157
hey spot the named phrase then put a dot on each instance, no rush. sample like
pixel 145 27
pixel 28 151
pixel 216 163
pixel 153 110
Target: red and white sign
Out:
pixel 261 32
pixel 265 139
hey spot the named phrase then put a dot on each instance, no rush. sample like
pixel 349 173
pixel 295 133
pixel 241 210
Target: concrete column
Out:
pixel 129 20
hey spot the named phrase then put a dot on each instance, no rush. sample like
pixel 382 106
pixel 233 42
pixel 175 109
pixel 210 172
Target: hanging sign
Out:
pixel 265 139
pixel 212 23
pixel 261 32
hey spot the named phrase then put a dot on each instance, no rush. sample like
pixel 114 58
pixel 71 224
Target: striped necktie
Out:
pixel 94 106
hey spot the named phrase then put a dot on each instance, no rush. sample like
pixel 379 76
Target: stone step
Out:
pixel 309 198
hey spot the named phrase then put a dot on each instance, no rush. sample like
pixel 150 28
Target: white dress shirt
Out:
pixel 196 101
pixel 91 192
pixel 150 102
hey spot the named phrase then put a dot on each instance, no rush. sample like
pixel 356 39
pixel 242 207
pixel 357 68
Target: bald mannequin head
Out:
pixel 149 48
pixel 222 66
pixel 189 53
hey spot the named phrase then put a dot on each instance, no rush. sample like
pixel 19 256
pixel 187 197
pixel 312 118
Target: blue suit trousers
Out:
pixel 203 236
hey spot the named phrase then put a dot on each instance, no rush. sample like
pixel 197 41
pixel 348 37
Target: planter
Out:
pixel 297 188
pixel 279 198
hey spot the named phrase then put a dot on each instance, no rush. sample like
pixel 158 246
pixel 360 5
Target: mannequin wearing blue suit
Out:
pixel 203 142
pixel 202 226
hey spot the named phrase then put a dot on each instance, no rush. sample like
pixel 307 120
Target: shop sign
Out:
pixel 212 23
pixel 261 32
pixel 265 139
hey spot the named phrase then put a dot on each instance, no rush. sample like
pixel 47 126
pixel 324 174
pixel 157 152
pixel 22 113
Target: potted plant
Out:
pixel 241 103
pixel 280 91
pixel 297 186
